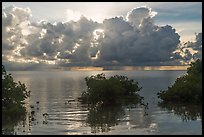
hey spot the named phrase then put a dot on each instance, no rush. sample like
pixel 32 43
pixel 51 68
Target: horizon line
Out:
pixel 106 68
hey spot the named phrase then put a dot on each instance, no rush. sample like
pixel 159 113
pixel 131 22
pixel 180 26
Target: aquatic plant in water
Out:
pixel 109 91
pixel 13 97
pixel 187 88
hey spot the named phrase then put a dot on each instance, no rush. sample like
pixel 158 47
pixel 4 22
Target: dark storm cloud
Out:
pixel 134 40
pixel 137 41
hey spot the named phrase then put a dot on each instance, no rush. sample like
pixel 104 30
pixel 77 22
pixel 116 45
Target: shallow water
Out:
pixel 52 89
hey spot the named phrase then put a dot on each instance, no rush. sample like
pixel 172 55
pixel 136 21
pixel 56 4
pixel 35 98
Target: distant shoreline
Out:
pixel 111 68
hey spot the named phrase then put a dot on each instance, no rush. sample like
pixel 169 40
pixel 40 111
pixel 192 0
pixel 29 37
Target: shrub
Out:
pixel 13 96
pixel 187 88
pixel 109 91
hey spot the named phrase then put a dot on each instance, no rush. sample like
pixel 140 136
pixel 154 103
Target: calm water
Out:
pixel 52 89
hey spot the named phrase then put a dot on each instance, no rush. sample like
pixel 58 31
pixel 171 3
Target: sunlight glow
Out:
pixel 49 61
pixel 84 68
pixel 8 29
pixel 10 58
pixel 25 28
pixel 133 68
pixel 60 39
pixel 58 53
pixel 97 33
pixel 42 33
pixel 96 57
pixel 75 47
pixel 73 15
pixel 17 51
pixel 21 60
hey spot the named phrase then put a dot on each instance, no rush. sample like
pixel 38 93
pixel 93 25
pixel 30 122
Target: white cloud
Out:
pixel 137 15
pixel 73 15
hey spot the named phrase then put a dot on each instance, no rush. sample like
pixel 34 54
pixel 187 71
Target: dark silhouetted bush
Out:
pixel 187 88
pixel 13 96
pixel 102 90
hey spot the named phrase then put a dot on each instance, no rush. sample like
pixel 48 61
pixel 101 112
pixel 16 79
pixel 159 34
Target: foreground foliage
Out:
pixel 187 88
pixel 13 96
pixel 113 90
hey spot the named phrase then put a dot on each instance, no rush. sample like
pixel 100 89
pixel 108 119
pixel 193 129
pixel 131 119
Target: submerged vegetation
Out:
pixel 101 119
pixel 13 97
pixel 108 91
pixel 187 88
pixel 187 112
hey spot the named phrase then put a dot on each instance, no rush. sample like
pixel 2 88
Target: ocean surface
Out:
pixel 52 115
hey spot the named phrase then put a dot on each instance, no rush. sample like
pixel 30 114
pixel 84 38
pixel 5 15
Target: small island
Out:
pixel 108 91
pixel 187 89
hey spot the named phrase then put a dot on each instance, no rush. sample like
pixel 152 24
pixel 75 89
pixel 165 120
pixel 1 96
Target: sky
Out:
pixel 47 34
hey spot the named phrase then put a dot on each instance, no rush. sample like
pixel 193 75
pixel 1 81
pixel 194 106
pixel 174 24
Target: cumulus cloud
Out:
pixel 134 40
pixel 137 41
pixel 137 15
pixel 14 21
pixel 191 51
